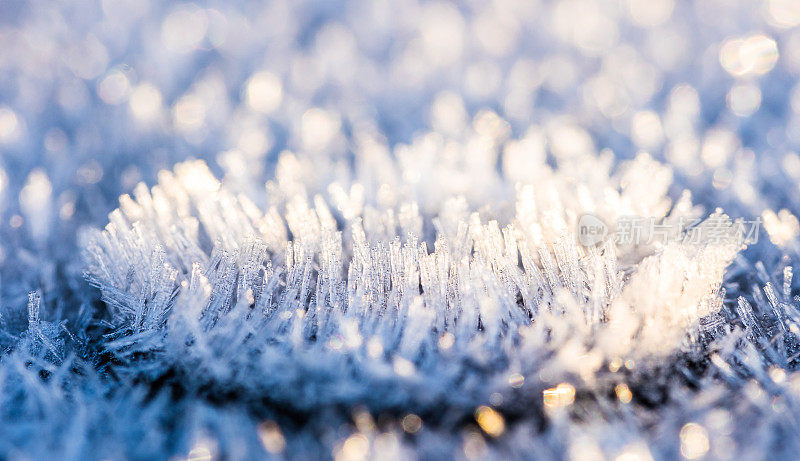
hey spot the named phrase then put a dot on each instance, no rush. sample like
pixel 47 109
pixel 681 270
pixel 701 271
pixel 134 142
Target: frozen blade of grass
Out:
pixel 34 303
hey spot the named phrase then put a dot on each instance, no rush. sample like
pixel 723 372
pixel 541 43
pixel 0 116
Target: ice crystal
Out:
pixel 315 305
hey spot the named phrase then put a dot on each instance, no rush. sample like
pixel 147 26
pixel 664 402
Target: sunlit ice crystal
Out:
pixel 406 298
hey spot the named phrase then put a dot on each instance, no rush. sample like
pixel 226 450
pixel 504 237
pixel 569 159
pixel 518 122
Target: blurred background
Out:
pixel 97 95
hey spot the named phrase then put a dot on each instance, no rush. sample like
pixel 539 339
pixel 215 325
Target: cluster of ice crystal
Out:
pixel 312 305
pixel 399 229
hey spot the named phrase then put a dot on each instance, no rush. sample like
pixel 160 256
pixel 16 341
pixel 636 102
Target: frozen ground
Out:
pixel 399 229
